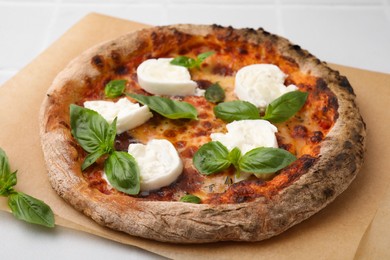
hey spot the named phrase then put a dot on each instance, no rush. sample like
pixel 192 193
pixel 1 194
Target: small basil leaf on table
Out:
pixel 264 160
pixel 215 93
pixel 122 172
pixel 29 209
pixel 115 88
pixel 7 178
pixel 166 107
pixel 284 107
pixel 190 199
pixel 211 157
pixel 236 110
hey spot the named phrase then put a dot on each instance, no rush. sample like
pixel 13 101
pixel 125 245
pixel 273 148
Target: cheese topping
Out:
pixel 247 135
pixel 260 84
pixel 159 77
pixel 129 115
pixel 159 163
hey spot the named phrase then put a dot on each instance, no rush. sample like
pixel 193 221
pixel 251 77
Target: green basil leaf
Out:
pixel 7 178
pixel 215 93
pixel 30 209
pixel 166 107
pixel 184 62
pixel 234 156
pixel 92 158
pixel 201 57
pixel 190 62
pixel 264 160
pixel 190 199
pixel 115 88
pixel 211 158
pixel 236 110
pixel 122 172
pixel 91 130
pixel 284 107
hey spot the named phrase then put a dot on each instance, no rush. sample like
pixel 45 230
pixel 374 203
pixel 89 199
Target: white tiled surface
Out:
pixel 349 32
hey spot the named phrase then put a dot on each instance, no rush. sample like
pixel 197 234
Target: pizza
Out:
pixel 200 133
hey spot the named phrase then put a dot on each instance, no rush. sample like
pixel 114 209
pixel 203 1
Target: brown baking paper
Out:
pixel 333 233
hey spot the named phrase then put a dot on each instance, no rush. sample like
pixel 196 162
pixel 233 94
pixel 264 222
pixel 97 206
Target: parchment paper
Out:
pixel 334 233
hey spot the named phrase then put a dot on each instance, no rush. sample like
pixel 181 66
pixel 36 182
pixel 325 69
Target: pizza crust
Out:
pixel 340 159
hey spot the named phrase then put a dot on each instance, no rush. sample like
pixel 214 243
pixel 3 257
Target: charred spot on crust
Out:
pixel 98 61
pixel 116 57
pixel 321 84
pixel 328 192
pixel 345 84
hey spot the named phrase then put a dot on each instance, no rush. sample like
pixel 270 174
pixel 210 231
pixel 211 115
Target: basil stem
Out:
pixel 236 110
pixel 190 199
pixel 166 107
pixel 115 88
pixel 23 206
pixel 215 93
pixel 284 107
pixel 122 172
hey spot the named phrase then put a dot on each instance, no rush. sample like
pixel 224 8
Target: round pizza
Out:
pixel 200 133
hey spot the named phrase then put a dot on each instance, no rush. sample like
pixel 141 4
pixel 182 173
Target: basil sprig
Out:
pixel 23 206
pixel 167 107
pixel 215 93
pixel 190 199
pixel 97 137
pixel 190 62
pixel 279 110
pixel 214 157
pixel 115 88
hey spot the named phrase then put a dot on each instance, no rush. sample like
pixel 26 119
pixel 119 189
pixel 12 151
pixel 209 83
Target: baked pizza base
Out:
pixel 340 156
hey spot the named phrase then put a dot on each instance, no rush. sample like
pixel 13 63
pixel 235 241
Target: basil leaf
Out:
pixel 29 209
pixel 92 158
pixel 201 57
pixel 190 199
pixel 190 62
pixel 234 156
pixel 211 157
pixel 115 88
pixel 166 107
pixel 265 160
pixel 284 107
pixel 215 93
pixel 91 130
pixel 122 172
pixel 7 178
pixel 184 62
pixel 236 110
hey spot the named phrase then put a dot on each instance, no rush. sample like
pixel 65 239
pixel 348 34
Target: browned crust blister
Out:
pixel 341 155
